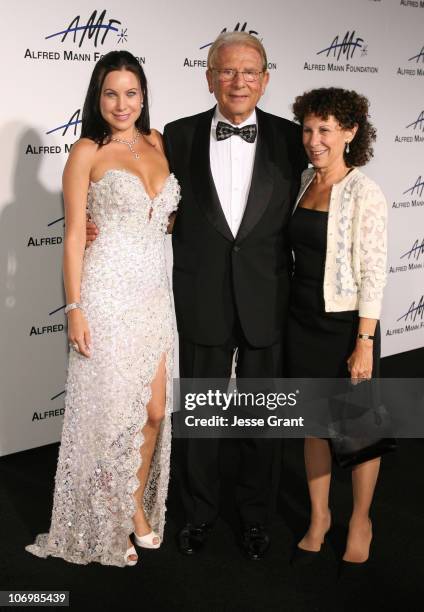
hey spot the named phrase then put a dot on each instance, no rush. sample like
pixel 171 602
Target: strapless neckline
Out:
pixel 137 178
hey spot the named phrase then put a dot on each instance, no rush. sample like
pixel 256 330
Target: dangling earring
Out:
pixel 347 149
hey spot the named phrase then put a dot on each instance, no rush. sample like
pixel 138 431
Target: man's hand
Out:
pixel 91 232
pixel 171 222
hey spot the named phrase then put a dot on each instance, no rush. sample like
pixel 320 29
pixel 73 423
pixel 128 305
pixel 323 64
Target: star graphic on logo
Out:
pixel 122 36
pixel 364 50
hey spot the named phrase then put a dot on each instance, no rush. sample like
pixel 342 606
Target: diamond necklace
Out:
pixel 130 144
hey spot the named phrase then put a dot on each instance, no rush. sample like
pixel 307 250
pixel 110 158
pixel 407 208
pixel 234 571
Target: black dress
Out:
pixel 318 342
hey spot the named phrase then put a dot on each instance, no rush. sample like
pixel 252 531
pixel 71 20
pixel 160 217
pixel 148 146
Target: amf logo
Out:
pixel 344 47
pixel 97 27
pixel 343 52
pixel 238 28
pixel 71 124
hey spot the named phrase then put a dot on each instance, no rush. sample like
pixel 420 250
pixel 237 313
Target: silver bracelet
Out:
pixel 72 306
pixel 366 337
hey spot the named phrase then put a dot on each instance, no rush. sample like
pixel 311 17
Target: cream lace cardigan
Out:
pixel 355 264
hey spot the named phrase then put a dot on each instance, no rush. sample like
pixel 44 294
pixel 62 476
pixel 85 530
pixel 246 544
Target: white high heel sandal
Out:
pixel 147 541
pixel 130 551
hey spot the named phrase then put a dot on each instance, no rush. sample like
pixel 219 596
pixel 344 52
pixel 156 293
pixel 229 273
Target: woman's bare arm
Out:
pixel 76 178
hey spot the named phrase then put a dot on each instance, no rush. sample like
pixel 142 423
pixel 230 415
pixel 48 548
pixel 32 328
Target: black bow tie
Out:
pixel 225 130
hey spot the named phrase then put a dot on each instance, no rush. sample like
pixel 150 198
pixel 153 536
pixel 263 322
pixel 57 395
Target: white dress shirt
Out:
pixel 232 167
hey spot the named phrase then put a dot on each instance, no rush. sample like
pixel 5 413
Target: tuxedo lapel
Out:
pixel 262 183
pixel 201 177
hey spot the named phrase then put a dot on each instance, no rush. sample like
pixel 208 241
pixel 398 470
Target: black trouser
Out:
pixel 199 459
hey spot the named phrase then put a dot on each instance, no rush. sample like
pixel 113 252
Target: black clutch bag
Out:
pixel 360 428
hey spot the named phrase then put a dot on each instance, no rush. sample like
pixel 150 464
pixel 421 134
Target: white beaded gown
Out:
pixel 125 294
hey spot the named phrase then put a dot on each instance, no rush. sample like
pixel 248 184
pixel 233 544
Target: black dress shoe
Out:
pixel 255 541
pixel 192 538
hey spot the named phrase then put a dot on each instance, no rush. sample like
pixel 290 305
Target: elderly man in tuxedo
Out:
pixel 239 170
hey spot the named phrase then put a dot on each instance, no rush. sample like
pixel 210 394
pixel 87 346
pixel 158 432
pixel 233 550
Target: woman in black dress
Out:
pixel 338 237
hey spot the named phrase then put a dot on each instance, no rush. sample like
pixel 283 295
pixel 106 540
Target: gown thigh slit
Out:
pixel 159 473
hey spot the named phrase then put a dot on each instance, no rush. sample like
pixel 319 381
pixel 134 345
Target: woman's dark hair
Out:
pixel 93 125
pixel 349 109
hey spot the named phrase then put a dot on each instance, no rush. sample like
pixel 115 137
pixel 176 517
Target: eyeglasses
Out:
pixel 228 74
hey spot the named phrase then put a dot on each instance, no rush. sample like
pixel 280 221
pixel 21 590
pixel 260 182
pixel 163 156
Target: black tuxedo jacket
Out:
pixel 215 274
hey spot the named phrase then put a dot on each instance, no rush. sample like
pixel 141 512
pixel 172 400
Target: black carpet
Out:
pixel 220 578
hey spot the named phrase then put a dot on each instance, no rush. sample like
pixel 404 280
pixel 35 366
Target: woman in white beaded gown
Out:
pixel 113 467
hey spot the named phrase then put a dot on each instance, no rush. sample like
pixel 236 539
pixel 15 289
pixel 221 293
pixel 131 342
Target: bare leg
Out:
pixel 318 473
pixel 155 415
pixel 364 479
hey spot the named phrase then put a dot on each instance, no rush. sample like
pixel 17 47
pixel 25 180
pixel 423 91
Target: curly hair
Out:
pixel 348 108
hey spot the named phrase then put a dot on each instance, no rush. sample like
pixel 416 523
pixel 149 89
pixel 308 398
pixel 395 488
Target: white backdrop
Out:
pixel 373 46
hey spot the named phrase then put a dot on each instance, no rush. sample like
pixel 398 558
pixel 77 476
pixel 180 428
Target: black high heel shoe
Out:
pixel 302 557
pixel 352 570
